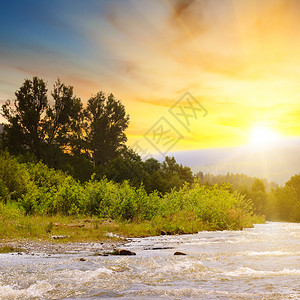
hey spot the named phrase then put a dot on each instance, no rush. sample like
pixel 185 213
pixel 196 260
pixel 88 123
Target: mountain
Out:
pixel 277 163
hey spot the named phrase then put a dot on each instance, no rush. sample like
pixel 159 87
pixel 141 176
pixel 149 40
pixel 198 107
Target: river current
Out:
pixel 257 263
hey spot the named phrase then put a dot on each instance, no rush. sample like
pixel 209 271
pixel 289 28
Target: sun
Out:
pixel 262 137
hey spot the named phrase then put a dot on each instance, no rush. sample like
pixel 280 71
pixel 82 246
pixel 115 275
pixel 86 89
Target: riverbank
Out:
pixel 61 235
pixel 63 230
pixel 59 230
pixel 36 247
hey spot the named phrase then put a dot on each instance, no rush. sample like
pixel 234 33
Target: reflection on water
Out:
pixel 258 263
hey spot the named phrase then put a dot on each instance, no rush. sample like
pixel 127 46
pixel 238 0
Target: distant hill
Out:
pixel 276 164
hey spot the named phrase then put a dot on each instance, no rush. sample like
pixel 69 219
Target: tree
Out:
pixel 294 184
pixel 128 165
pixel 170 175
pixel 25 128
pixel 258 196
pixel 107 121
pixel 170 166
pixel 65 119
pixel 288 200
pixel 151 165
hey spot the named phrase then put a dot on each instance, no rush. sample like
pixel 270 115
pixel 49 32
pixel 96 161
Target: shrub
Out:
pixel 13 178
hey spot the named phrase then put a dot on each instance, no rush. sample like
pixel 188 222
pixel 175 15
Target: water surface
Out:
pixel 258 263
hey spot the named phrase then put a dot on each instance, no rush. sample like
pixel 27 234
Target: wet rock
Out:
pixel 81 259
pixel 122 252
pixel 158 248
pixel 179 253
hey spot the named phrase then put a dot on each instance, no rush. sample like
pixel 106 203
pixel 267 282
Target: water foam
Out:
pixel 199 293
pixel 245 271
pixel 87 276
pixel 38 289
pixel 270 253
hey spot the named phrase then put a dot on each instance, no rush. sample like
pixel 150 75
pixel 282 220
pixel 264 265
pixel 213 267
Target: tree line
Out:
pixel 275 202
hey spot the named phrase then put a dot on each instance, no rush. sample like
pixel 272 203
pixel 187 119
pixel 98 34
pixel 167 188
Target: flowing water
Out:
pixel 258 263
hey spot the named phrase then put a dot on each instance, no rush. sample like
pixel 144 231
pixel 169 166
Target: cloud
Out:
pixel 240 58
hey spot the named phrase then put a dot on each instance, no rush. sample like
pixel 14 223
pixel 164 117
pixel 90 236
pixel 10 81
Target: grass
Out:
pixel 45 228
pixel 83 229
pixel 14 224
pixel 7 249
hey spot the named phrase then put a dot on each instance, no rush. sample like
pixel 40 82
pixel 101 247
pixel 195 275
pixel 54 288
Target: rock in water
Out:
pixel 179 253
pixel 123 252
pixel 81 259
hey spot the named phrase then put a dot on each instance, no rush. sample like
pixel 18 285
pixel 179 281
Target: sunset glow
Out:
pixel 239 59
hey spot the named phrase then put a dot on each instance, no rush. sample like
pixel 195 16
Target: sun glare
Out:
pixel 261 136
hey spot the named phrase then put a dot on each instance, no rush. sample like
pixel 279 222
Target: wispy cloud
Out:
pixel 239 58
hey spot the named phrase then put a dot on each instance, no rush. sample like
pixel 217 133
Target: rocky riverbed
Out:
pixel 46 247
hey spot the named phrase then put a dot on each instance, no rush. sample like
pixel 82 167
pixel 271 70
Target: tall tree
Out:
pixel 65 119
pixel 294 185
pixel 25 130
pixel 107 122
pixel 258 196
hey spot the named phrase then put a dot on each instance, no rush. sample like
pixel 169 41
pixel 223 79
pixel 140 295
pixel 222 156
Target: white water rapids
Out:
pixel 258 263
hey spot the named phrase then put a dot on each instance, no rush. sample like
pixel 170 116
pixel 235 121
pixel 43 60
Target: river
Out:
pixel 256 263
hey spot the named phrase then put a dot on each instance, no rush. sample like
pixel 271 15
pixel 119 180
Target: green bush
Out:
pixel 68 198
pixel 13 178
pixel 40 190
pixel 119 201
pixel 215 205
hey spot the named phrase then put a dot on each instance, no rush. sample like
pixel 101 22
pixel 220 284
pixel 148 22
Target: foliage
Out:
pixel 64 119
pixel 277 203
pixel 25 130
pixel 240 182
pixel 46 192
pixel 287 200
pixel 258 196
pixel 107 121
pixel 215 205
pixel 13 178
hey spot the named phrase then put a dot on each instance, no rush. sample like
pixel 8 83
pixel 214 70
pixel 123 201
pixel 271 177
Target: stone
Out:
pixel 81 259
pixel 179 253
pixel 123 252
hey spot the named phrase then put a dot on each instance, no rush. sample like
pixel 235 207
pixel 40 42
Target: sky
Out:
pixel 191 74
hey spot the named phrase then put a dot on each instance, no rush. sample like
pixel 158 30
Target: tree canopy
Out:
pixel 107 122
